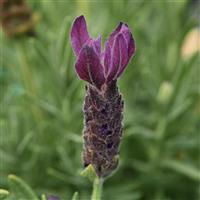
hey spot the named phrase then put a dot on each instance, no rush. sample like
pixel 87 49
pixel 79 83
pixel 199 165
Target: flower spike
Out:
pixel 103 104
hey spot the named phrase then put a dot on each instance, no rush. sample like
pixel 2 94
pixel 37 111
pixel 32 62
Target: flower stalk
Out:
pixel 97 189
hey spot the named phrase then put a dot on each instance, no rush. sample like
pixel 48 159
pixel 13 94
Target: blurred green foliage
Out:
pixel 41 102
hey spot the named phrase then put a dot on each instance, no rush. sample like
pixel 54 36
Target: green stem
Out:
pixel 27 78
pixel 97 189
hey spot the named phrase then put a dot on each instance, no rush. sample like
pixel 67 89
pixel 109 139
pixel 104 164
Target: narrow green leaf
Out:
pixel 62 39
pixel 3 194
pixel 25 141
pixel 89 172
pixel 20 188
pixel 43 197
pixel 180 109
pixel 42 53
pixel 184 169
pixel 75 196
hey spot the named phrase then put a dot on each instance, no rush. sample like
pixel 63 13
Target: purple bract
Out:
pixel 98 67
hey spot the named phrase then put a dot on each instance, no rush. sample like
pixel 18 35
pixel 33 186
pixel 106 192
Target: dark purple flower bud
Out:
pixel 103 103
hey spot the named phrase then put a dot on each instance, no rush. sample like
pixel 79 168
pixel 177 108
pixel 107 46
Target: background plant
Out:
pixel 41 102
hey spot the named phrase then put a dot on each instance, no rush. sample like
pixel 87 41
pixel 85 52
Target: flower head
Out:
pixel 95 66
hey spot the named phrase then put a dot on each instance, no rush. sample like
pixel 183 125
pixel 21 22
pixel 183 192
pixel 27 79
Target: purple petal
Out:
pixel 124 29
pixel 107 58
pixel 89 68
pixel 131 47
pixel 119 57
pixel 96 44
pixel 122 49
pixel 79 34
pixel 81 67
pixel 114 33
pixel 129 39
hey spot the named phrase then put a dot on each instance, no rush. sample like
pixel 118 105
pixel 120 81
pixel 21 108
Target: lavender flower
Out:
pixel 103 104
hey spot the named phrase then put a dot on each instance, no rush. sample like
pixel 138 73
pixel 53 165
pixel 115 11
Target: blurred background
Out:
pixel 41 98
